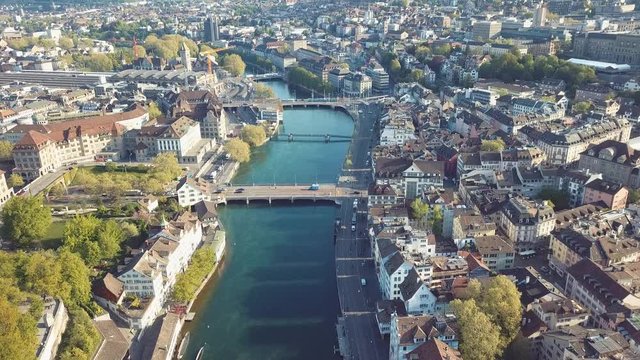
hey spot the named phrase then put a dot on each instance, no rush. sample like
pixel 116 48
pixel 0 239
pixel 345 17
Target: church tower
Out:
pixel 185 56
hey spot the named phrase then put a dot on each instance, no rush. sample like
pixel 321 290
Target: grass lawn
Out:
pixel 122 171
pixel 53 238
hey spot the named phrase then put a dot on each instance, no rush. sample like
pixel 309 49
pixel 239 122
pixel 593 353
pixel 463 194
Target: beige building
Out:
pixel 495 251
pixel 527 224
pixel 471 226
pixel 610 47
pixel 483 30
pixel 5 191
pixel 615 160
pixel 565 147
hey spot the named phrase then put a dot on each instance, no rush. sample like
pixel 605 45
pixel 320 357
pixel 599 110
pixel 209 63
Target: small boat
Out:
pixel 183 345
pixel 200 353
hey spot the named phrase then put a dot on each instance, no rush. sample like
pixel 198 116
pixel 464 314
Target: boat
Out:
pixel 200 353
pixel 183 345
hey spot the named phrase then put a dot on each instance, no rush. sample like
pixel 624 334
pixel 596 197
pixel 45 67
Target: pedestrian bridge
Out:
pixel 291 193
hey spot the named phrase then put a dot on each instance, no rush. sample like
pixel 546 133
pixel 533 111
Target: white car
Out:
pixel 353 228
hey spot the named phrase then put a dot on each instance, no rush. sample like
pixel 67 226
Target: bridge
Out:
pixel 332 103
pixel 326 138
pixel 268 76
pixel 292 193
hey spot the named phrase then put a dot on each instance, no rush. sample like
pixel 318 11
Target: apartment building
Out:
pixel 578 342
pixel 619 48
pixel 192 191
pixel 608 302
pixel 484 30
pixel 471 226
pixel 39 149
pixel 612 194
pixel 526 223
pixel 565 147
pixel 410 178
pixel 200 105
pixel 408 333
pixel 616 161
pixel 379 77
pixel 495 251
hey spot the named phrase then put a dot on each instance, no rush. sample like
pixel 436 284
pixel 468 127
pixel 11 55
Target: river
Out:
pixel 276 296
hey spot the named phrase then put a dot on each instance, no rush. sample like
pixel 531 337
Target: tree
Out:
pixel 416 75
pixel 479 338
pixel 139 50
pixel 18 332
pixel 254 135
pixel 92 239
pixel 395 67
pixel 110 166
pixel 110 236
pixel 6 149
pixel 66 43
pixel 15 180
pixel 76 277
pixel 238 150
pixel 166 167
pixel 153 110
pixel 436 220
pixel 558 198
pixel 42 273
pixel 264 92
pixel 81 337
pixel 233 63
pixel 419 209
pixel 492 145
pixel 100 62
pixel 25 219
pixel 633 197
pixel 500 301
pixel 581 107
pixel 56 190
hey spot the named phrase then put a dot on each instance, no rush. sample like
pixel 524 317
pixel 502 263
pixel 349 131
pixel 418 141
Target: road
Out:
pixel 266 192
pixel 353 251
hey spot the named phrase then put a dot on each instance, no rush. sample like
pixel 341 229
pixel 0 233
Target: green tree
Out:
pixel 395 67
pixel 233 63
pixel 254 135
pixel 80 339
pixel 166 167
pixel 500 301
pixel 42 273
pixel 558 198
pixel 422 53
pixel 15 180
pixel 140 50
pixel 492 145
pixel 17 333
pixel 188 282
pixel 419 209
pixel 443 50
pixel 479 338
pixel 6 149
pixel 238 150
pixel 264 92
pixel 25 219
pixel 76 277
pixel 110 236
pixel 634 196
pixel 110 166
pixel 56 190
pixel 153 110
pixel 581 107
pixel 436 220
pixel 416 75
pixel 130 229
pixel 66 43
pixel 100 62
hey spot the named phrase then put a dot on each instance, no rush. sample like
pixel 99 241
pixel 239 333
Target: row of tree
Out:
pixel 239 149
pixel 300 76
pixel 26 278
pixel 427 216
pixel 168 46
pixel 187 283
pixel 510 67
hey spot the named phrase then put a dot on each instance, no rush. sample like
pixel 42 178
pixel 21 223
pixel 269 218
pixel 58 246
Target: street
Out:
pixel 354 262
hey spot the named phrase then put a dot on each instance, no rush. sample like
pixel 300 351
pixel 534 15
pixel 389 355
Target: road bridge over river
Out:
pixel 290 192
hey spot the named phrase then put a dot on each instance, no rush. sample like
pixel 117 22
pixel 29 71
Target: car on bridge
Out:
pixel 239 190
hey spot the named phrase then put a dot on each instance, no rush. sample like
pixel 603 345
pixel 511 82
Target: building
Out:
pixel 415 294
pixel 565 146
pixel 496 252
pixel 540 15
pixel 200 105
pixel 185 57
pixel 192 191
pixel 379 77
pixel 410 178
pixel 557 312
pixel 615 160
pixel 5 191
pixel 483 30
pixel 408 333
pixel 471 226
pixel 617 48
pixel 39 149
pixel 612 194
pixel 51 326
pixel 211 29
pixel 357 84
pixel 527 224
pixel 608 302
pixel 578 342
pixel 391 274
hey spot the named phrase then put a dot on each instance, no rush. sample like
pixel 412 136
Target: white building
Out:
pixel 417 297
pixel 191 191
pixel 391 274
